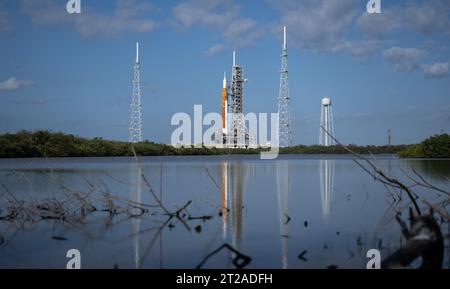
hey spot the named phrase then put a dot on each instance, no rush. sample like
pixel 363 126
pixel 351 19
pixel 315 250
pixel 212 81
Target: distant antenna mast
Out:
pixel 284 102
pixel 389 137
pixel 136 105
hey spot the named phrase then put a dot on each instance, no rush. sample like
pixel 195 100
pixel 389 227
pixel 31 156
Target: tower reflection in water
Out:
pixel 224 197
pixel 237 203
pixel 136 187
pixel 283 180
pixel 233 177
pixel 326 168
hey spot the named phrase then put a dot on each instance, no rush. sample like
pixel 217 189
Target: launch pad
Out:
pixel 234 135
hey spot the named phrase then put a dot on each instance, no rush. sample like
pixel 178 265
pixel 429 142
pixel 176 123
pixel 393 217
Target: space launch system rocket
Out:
pixel 224 104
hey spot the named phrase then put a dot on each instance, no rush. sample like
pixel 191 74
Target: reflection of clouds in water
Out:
pixel 326 168
pixel 283 180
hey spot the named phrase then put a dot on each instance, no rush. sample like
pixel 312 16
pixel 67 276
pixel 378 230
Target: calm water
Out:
pixel 325 205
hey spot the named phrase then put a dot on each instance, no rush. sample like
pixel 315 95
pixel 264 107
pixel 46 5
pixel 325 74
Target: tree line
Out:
pixel 45 143
pixel 437 146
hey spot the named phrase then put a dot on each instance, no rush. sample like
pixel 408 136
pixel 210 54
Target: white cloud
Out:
pixel 410 59
pixel 380 25
pixel 323 26
pixel 243 32
pixel 211 13
pixel 425 18
pixel 359 50
pixel 215 49
pixel 223 15
pixel 404 59
pixel 316 24
pixel 436 70
pixel 127 17
pixel 430 17
pixel 13 83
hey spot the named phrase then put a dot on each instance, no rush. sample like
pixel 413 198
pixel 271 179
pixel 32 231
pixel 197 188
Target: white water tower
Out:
pixel 326 123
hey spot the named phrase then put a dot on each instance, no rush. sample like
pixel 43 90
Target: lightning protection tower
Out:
pixel 326 123
pixel 136 105
pixel 284 102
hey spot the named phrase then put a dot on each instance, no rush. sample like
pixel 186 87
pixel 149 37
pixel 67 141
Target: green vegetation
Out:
pixel 437 146
pixel 56 144
pixel 317 149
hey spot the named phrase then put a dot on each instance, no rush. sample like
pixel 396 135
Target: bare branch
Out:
pixel 378 173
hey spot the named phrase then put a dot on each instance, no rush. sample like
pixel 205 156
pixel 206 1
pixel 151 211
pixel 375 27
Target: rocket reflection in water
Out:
pixel 232 177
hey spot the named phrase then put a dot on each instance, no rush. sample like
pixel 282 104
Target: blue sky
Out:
pixel 73 73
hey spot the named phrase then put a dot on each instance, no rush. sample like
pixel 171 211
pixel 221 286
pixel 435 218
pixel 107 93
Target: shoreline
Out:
pixel 228 156
pixel 47 144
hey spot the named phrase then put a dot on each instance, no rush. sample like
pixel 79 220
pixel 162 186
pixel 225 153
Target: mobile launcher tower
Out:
pixel 234 133
pixel 239 137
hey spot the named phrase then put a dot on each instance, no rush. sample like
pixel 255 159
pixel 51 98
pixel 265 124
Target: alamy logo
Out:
pixel 75 259
pixel 73 6
pixel 375 259
pixel 374 6
pixel 243 131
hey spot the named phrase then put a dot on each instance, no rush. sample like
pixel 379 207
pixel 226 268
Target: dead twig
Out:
pixel 302 256
pixel 149 186
pixel 378 173
pixel 438 209
pixel 240 261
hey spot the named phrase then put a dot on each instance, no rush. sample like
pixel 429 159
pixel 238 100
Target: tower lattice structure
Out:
pixel 238 132
pixel 284 101
pixel 136 103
